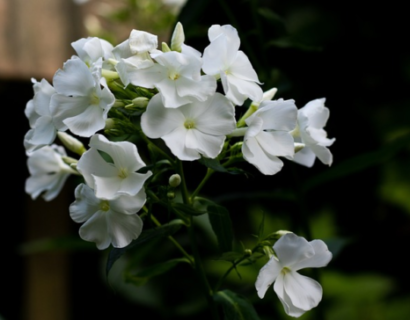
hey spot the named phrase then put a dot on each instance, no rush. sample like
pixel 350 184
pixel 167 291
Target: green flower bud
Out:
pixel 71 143
pixel 175 180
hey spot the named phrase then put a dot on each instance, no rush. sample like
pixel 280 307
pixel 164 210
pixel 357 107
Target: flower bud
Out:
pixel 165 47
pixel 175 180
pixel 71 143
pixel 140 102
pixel 178 37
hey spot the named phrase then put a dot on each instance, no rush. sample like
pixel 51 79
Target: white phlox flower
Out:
pixel 48 172
pixel 107 222
pixel 192 130
pixel 94 52
pixel 43 130
pixel 268 137
pixel 113 177
pixel 222 58
pixel 81 104
pixel 312 119
pixel 297 293
pixel 134 53
pixel 177 77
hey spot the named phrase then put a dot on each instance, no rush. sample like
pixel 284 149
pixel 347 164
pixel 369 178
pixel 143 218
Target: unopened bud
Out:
pixel 268 251
pixel 178 37
pixel 118 104
pixel 175 180
pixel 165 47
pixel 140 102
pixel 171 195
pixel 268 95
pixel 248 252
pixel 71 143
pixel 109 124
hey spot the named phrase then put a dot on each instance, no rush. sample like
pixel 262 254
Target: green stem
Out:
pixel 252 109
pixel 222 279
pixel 184 188
pixel 209 173
pixel 176 243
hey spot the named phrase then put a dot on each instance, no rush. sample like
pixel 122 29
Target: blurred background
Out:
pixel 355 55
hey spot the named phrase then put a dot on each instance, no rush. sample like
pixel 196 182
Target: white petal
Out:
pixel 305 157
pixel 217 56
pixel 169 94
pixel 291 249
pixel 88 122
pixel 175 141
pixel 148 75
pixel 95 229
pixel 200 90
pixel 158 121
pixel 290 309
pixel 129 204
pixel 123 228
pixel 278 114
pixel 321 257
pixel 242 68
pixel 208 145
pixel 215 116
pixel 66 107
pixel 276 143
pixel 43 92
pixel 305 293
pixel 74 80
pixel 316 112
pixel 254 154
pixel 44 132
pixel 91 163
pixel 106 187
pixel 323 154
pixel 85 205
pixel 267 275
pixel 241 89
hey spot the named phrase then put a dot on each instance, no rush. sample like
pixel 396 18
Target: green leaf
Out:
pixel 143 276
pixel 222 226
pixel 235 307
pixel 187 209
pixel 147 235
pixel 215 165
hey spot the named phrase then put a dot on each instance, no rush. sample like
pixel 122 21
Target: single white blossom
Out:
pixel 114 176
pixel 48 172
pixel 81 105
pixel 312 119
pixel 177 77
pixel 223 59
pixel 94 52
pixel 267 136
pixel 192 129
pixel 297 293
pixel 107 222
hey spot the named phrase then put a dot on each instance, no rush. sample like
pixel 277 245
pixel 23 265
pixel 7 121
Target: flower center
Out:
pixel 285 270
pixel 173 75
pixel 104 205
pixel 189 124
pixel 123 173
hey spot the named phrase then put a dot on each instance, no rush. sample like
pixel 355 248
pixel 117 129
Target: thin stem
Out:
pixel 184 188
pixel 222 279
pixel 176 243
pixel 209 173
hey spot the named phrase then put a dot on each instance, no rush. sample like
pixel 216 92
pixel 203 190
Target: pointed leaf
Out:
pixel 235 307
pixel 146 235
pixel 187 209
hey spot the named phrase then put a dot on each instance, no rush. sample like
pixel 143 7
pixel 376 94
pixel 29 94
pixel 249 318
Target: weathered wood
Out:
pixel 35 36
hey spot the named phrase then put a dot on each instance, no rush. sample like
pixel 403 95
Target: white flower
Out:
pixel 177 77
pixel 93 51
pixel 113 177
pixel 192 129
pixel 81 105
pixel 268 137
pixel 222 58
pixel 48 172
pixel 107 221
pixel 311 120
pixel 134 53
pixel 43 131
pixel 297 293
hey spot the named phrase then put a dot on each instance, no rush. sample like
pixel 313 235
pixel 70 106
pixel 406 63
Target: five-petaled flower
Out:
pixel 297 293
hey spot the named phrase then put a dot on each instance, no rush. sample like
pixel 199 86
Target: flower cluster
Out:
pixel 124 98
